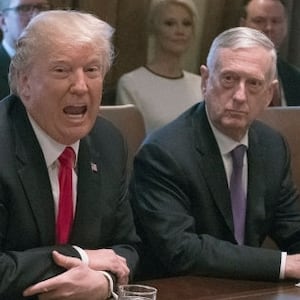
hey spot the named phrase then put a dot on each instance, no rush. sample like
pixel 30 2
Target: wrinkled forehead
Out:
pixel 252 59
pixel 266 7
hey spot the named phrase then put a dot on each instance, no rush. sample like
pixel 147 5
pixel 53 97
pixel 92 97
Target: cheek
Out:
pixel 189 32
pixel 214 90
pixel 164 34
pixel 256 105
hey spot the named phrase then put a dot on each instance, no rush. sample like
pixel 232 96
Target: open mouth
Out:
pixel 75 110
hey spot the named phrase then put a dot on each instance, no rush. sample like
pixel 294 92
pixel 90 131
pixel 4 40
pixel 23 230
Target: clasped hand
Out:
pixel 82 281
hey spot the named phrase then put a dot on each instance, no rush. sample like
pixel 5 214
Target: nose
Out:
pixel 240 94
pixel 180 29
pixel 78 84
pixel 268 27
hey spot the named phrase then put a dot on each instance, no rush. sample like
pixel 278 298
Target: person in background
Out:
pixel 270 17
pixel 209 187
pixel 14 16
pixel 162 89
pixel 66 225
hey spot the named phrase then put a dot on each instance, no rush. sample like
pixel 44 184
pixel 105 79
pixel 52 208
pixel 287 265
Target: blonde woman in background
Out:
pixel 162 89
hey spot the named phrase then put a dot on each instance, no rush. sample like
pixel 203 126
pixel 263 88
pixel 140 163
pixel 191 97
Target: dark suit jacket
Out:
pixel 4 68
pixel 103 216
pixel 290 80
pixel 181 201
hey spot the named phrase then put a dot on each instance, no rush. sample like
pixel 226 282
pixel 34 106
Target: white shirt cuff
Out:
pixel 83 255
pixel 85 259
pixel 111 284
pixel 282 265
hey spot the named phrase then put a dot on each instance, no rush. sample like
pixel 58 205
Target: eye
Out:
pixel 60 71
pixel 169 23
pixel 187 23
pixel 228 80
pixel 276 21
pixel 259 21
pixel 94 71
pixel 255 85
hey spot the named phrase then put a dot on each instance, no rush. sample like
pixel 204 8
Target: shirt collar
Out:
pixel 51 149
pixel 10 51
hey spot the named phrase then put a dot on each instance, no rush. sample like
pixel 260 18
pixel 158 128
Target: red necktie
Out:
pixel 65 207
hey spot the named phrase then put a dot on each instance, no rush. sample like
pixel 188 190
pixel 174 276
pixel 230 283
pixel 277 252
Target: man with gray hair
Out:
pixel 209 187
pixel 66 226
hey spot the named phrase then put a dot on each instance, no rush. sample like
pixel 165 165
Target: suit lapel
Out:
pixel 32 170
pixel 256 189
pixel 211 161
pixel 88 193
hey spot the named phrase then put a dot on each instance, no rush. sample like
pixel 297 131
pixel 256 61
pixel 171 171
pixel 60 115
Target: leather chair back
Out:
pixel 287 121
pixel 129 120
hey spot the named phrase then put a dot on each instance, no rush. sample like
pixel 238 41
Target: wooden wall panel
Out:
pixel 131 36
pixel 61 3
pixel 219 15
pixel 105 9
pixel 130 41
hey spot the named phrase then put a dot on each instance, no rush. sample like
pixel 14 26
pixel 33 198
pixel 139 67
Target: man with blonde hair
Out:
pixel 66 226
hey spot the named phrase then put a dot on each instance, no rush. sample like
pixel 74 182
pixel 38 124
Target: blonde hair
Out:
pixel 60 26
pixel 157 6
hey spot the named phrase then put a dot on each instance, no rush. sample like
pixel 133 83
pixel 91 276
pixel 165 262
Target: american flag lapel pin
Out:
pixel 94 167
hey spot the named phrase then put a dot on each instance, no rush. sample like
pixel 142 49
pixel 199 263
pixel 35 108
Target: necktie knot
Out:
pixel 67 158
pixel 237 155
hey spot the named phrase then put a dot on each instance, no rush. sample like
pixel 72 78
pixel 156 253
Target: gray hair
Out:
pixel 241 37
pixel 157 6
pixel 60 26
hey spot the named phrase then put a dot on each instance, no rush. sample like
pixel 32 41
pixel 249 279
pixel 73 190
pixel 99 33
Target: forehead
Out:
pixel 255 60
pixel 265 7
pixel 57 50
pixel 172 9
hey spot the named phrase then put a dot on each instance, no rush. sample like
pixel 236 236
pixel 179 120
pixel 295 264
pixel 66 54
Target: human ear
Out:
pixel 273 91
pixel 204 77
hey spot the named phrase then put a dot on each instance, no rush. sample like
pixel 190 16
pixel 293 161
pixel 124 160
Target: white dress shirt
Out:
pixel 52 150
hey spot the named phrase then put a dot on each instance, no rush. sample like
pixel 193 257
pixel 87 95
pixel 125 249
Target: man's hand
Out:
pixel 78 282
pixel 108 260
pixel 292 267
